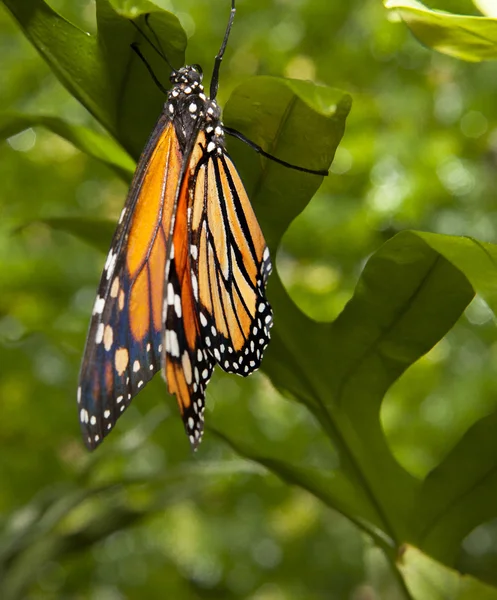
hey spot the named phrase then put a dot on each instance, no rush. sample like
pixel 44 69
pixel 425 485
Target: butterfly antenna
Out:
pixel 158 47
pixel 157 40
pixel 220 54
pixel 236 134
pixel 136 49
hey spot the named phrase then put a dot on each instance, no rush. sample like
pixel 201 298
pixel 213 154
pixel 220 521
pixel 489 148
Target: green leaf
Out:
pixel 427 579
pixel 460 493
pixel 102 71
pixel 469 38
pixel 96 145
pixel 437 272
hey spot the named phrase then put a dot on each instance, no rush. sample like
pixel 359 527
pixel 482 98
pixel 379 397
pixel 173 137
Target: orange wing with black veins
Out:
pixel 124 345
pixel 215 306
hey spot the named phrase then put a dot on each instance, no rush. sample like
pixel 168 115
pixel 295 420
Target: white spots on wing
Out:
pixel 207 341
pixel 140 383
pixel 136 366
pixel 187 367
pixel 262 307
pixel 213 331
pixel 93 420
pixel 121 360
pixel 177 306
pixel 172 345
pixel 194 285
pixel 99 336
pixel 265 256
pixel 96 438
pixel 83 415
pixel 119 399
pixel 194 251
pixel 210 110
pixel 99 306
pixel 79 395
pixel 218 131
pixel 148 347
pixel 203 320
pixel 171 252
pixel 106 414
pixel 202 96
pixel 211 146
pixel 171 108
pixel 170 294
pixel 108 337
pixel 193 107
pixel 199 355
pixel 114 290
pixel 160 348
pixel 110 264
pixel 209 129
pixel 205 374
pixel 174 93
pixel 197 375
pixel 217 355
pixel 151 367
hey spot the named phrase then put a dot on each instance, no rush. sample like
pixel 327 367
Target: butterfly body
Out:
pixel 183 287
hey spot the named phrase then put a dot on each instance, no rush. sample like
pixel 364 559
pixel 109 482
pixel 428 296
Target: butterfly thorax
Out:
pixel 190 109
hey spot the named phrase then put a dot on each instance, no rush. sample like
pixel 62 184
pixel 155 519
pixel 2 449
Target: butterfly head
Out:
pixel 189 76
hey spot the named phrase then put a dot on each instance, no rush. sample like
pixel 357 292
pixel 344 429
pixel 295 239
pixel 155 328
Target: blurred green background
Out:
pixel 420 152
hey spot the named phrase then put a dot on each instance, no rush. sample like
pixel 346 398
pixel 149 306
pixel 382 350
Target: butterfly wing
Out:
pixel 188 365
pixel 232 263
pixel 124 344
pixel 215 307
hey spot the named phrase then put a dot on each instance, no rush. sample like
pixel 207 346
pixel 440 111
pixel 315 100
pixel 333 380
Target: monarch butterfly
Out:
pixel 183 287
